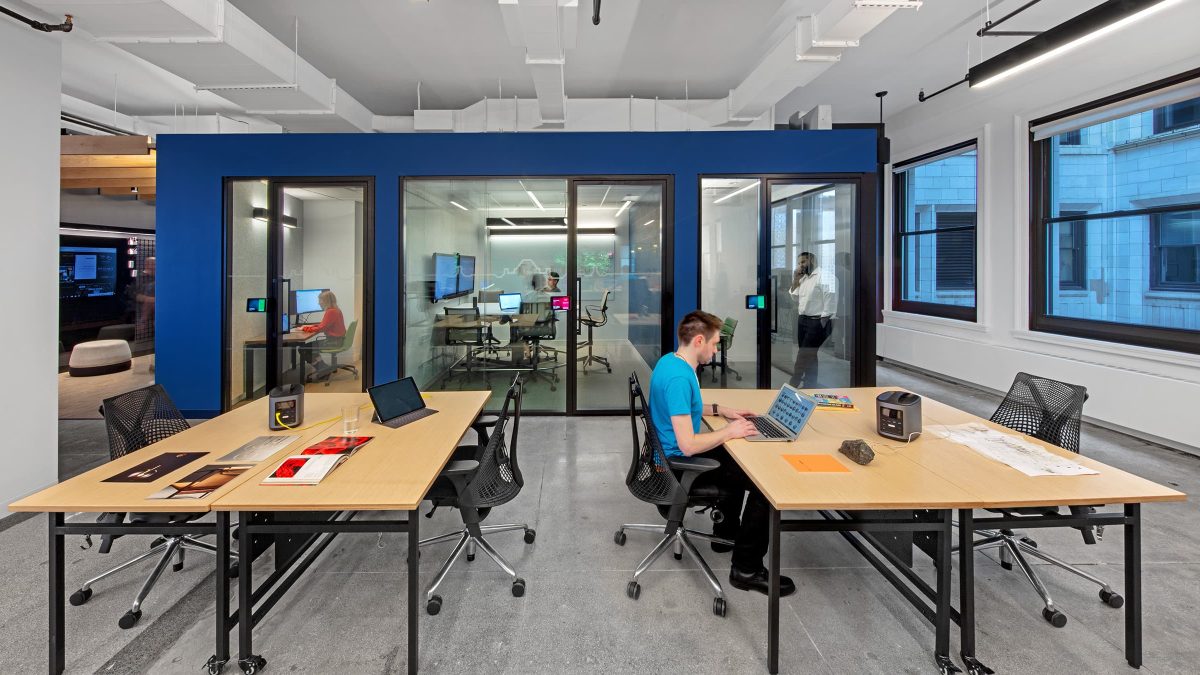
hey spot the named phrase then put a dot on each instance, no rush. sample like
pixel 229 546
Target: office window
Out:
pixel 934 238
pixel 1071 138
pixel 1116 245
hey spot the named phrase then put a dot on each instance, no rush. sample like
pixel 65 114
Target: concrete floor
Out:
pixel 349 612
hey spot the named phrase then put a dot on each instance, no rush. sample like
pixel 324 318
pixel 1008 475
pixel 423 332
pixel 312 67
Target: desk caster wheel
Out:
pixel 633 590
pixel 214 666
pixel 618 538
pixel 129 619
pixel 518 587
pixel 1110 598
pixel 719 606
pixel 84 594
pixel 530 535
pixel 1054 617
pixel 252 665
pixel 434 605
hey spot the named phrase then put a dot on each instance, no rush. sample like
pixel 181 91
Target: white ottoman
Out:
pixel 99 357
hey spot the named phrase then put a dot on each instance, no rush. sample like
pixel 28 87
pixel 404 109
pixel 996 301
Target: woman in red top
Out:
pixel 332 325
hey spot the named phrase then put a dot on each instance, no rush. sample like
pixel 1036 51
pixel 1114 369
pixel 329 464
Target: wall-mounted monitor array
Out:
pixel 453 275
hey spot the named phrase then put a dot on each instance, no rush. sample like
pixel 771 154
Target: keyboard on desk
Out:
pixel 766 427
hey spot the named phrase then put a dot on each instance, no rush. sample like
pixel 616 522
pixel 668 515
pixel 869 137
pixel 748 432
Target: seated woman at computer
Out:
pixel 675 409
pixel 332 327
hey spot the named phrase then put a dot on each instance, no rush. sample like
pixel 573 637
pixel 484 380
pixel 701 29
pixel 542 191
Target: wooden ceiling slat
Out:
pixel 102 161
pixel 108 172
pixel 92 183
pixel 105 145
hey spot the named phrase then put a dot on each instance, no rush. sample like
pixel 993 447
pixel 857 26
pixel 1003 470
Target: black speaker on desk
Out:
pixel 899 415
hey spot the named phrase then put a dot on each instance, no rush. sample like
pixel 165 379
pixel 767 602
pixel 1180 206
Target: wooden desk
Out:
pixel 931 473
pixel 296 339
pixel 89 493
pixel 391 473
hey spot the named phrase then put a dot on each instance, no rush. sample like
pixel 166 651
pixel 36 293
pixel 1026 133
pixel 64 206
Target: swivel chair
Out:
pixel 135 420
pixel 346 346
pixel 1049 411
pixel 470 337
pixel 545 328
pixel 477 478
pixel 668 483
pixel 592 322
pixel 727 331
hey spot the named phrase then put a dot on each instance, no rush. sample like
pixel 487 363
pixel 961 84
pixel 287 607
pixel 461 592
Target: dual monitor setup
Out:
pixel 454 277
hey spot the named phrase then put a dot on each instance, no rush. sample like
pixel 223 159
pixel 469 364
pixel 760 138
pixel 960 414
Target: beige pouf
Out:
pixel 99 357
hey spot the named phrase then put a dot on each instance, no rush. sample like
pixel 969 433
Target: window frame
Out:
pixel 1040 205
pixel 1078 281
pixel 1162 125
pixel 899 209
pixel 1156 281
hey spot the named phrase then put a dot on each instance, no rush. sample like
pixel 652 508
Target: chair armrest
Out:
pixel 462 467
pixel 691 467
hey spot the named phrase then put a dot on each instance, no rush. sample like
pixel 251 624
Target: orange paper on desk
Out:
pixel 816 464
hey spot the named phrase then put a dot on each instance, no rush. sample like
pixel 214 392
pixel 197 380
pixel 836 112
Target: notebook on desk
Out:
pixel 398 403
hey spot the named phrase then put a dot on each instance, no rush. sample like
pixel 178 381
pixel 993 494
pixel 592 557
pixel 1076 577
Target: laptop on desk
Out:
pixel 510 303
pixel 398 403
pixel 786 418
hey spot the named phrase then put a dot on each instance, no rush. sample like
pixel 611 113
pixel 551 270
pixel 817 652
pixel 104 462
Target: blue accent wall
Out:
pixel 190 212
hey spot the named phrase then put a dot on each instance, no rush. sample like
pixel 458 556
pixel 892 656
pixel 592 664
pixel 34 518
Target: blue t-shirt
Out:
pixel 674 390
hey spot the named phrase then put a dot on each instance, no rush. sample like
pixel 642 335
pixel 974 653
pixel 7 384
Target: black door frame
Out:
pixel 667 251
pixel 865 267
pixel 273 290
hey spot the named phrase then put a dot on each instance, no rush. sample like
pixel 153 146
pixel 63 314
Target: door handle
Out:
pixel 577 306
pixel 774 304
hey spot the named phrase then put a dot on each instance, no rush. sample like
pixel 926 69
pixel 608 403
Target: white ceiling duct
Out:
pixel 546 28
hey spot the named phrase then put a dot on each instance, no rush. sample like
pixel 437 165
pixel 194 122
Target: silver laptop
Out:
pixel 786 418
pixel 510 303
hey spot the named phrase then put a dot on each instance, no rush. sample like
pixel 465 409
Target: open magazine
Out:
pixel 315 462
pixel 199 483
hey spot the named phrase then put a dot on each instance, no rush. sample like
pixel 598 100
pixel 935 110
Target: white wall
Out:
pixel 31 82
pixel 1151 392
pixel 331 231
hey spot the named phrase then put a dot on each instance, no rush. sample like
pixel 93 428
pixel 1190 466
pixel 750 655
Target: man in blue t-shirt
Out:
pixel 675 410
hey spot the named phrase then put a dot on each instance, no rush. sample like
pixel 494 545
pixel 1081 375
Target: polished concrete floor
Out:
pixel 348 614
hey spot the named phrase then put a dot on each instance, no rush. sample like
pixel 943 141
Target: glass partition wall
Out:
pixel 558 280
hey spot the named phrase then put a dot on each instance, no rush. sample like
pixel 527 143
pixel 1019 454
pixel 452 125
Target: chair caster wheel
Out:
pixel 177 567
pixel 619 538
pixel 610 370
pixel 1110 598
pixel 530 536
pixel 1006 565
pixel 470 557
pixel 633 590
pixel 1029 542
pixel 1054 617
pixel 158 541
pixel 129 619
pixel 252 665
pixel 518 587
pixel 719 606
pixel 678 556
pixel 84 594
pixel 434 605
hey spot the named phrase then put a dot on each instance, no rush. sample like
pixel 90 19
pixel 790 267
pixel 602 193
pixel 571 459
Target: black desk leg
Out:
pixel 966 593
pixel 414 587
pixel 724 367
pixel 57 627
pixel 773 598
pixel 219 658
pixel 249 662
pixel 248 373
pixel 942 614
pixel 1133 585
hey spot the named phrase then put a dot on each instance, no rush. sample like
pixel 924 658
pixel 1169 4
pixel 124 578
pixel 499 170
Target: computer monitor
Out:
pixel 445 276
pixel 307 300
pixel 510 303
pixel 466 274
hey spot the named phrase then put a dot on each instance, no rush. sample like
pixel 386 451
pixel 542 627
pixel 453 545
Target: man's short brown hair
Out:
pixel 697 323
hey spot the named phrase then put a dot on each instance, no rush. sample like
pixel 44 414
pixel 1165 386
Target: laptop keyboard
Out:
pixel 765 427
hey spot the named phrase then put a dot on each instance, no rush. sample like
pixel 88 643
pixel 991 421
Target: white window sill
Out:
pixel 1111 348
pixel 899 319
pixel 1190 296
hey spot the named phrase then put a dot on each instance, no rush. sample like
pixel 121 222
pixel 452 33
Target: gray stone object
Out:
pixel 858 451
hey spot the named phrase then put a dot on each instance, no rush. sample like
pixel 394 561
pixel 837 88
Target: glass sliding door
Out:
pixel 245 281
pixel 618 288
pixel 730 214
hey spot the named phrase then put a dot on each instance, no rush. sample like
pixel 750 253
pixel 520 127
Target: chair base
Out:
pixel 680 540
pixel 469 542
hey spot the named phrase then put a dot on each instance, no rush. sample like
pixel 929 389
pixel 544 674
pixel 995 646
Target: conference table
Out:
pixel 924 482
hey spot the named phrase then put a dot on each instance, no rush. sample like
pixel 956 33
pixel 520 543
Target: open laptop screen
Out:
pixel 510 302
pixel 397 398
pixel 792 409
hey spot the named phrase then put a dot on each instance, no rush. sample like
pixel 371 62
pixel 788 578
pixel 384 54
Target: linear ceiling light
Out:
pixel 459 205
pixel 509 222
pixel 1096 22
pixel 623 208
pixel 648 222
pixel 735 192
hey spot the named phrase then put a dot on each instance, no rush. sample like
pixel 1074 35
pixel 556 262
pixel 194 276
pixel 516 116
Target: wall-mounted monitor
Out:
pixel 87 271
pixel 445 276
pixel 560 303
pixel 466 274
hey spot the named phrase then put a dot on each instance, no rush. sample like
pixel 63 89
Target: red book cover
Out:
pixel 337 445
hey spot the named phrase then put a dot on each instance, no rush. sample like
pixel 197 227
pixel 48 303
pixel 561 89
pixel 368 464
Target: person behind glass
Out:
pixel 675 410
pixel 332 327
pixel 551 286
pixel 816 303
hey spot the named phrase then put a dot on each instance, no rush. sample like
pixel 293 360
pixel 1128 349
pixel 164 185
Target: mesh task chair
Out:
pixel 544 328
pixel 1049 411
pixel 346 345
pixel 135 420
pixel 470 337
pixel 593 322
pixel 668 484
pixel 727 331
pixel 477 478
pixel 489 297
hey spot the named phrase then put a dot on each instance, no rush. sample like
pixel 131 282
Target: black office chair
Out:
pixel 668 483
pixel 1050 411
pixel 135 420
pixel 477 478
pixel 722 361
pixel 593 322
pixel 544 329
pixel 470 337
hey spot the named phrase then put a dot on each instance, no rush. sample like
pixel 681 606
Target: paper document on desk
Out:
pixel 1028 458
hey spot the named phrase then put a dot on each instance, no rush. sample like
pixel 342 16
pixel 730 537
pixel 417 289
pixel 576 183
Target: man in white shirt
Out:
pixel 816 303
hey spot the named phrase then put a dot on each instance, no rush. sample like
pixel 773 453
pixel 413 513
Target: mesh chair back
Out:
pixel 139 418
pixel 544 328
pixel 464 336
pixel 498 478
pixel 650 478
pixel 1046 409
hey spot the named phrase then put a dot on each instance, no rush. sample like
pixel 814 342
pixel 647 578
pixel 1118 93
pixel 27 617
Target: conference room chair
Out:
pixel 347 345
pixel 1050 411
pixel 592 322
pixel 544 329
pixel 135 420
pixel 470 337
pixel 669 484
pixel 728 328
pixel 477 479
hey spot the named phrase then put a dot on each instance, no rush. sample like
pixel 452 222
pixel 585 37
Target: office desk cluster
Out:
pixel 909 488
